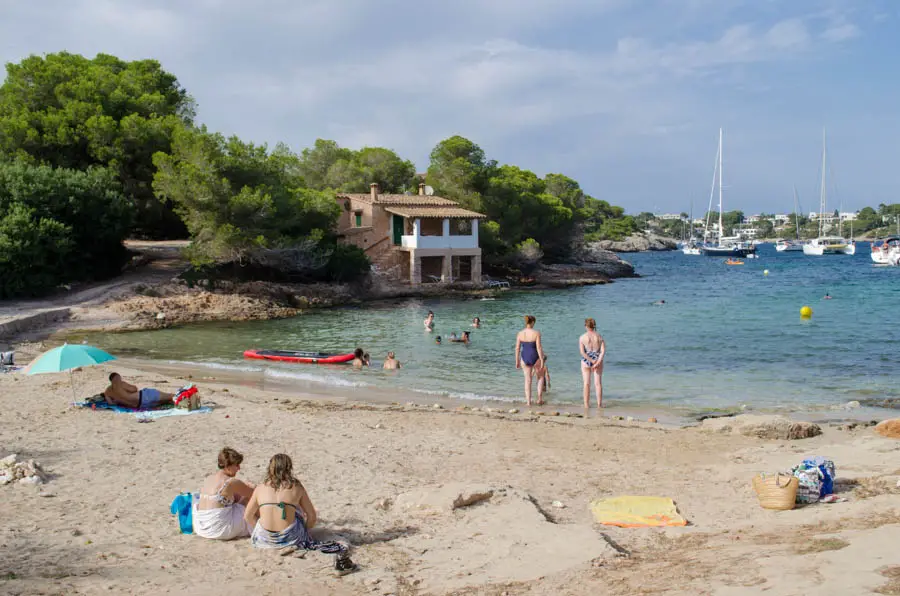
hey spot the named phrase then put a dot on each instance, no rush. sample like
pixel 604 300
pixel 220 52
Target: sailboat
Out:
pixel 827 245
pixel 792 245
pixel 691 247
pixel 726 246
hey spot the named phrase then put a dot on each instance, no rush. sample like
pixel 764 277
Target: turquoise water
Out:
pixel 727 336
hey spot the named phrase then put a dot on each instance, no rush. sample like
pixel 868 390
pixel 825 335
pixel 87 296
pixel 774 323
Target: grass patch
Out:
pixel 821 545
pixel 8 576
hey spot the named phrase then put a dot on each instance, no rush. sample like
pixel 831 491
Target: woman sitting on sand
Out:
pixel 529 354
pixel 219 513
pixel 282 514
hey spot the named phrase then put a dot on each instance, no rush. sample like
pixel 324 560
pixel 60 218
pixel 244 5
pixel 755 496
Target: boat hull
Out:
pixel 727 251
pixel 817 250
pixel 789 247
pixel 298 357
pixel 691 250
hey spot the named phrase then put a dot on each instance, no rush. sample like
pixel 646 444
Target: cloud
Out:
pixel 552 83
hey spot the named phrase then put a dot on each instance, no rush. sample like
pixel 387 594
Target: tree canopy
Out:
pixel 68 111
pixel 326 165
pixel 59 225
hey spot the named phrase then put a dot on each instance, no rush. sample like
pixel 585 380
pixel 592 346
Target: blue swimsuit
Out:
pixel 529 352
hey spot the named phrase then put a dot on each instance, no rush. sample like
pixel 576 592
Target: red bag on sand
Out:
pixel 185 394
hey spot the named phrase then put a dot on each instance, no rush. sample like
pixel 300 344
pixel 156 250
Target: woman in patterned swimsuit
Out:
pixel 219 511
pixel 593 351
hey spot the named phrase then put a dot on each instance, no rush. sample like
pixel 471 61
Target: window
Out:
pixel 358 216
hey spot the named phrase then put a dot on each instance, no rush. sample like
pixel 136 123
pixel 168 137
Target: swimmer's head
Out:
pixel 391 355
pixel 590 323
pixel 530 320
pixel 358 353
pixel 437 339
pixel 476 320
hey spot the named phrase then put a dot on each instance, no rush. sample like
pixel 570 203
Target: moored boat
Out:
pixel 298 356
pixel 789 246
pixel 887 252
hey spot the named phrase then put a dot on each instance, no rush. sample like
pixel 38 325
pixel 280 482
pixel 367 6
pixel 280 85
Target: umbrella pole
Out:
pixel 72 383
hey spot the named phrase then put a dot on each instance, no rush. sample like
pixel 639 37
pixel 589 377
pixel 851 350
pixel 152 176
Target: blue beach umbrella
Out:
pixel 67 357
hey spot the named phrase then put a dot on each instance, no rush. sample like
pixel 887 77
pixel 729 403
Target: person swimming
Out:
pixel 437 339
pixel 476 322
pixel 827 296
pixel 429 321
pixel 463 339
pixel 659 303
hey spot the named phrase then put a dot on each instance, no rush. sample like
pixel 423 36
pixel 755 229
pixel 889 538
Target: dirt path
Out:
pixel 164 262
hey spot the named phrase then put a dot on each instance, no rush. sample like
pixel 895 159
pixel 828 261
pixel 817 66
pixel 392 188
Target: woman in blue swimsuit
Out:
pixel 530 354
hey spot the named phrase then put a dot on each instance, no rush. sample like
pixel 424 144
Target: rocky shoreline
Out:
pixel 636 243
pixel 153 298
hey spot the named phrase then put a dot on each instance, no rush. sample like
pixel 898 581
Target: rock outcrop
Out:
pixel 889 428
pixel 595 258
pixel 763 427
pixel 637 243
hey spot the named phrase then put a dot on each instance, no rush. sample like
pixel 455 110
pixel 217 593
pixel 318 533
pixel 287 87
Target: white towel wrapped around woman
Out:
pixel 225 523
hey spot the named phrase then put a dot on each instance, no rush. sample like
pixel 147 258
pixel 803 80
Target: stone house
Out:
pixel 416 238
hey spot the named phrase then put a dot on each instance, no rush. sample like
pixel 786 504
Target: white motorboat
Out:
pixel 789 246
pixel 887 252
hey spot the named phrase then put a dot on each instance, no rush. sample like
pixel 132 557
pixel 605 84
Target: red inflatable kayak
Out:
pixel 295 356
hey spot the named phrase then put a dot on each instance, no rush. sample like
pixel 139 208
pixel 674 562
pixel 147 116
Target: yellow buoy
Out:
pixel 805 312
pixel 765 272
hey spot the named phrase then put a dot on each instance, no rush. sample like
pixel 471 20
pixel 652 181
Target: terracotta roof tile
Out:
pixel 441 211
pixel 398 199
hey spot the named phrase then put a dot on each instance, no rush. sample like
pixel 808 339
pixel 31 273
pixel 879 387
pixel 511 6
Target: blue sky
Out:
pixel 625 96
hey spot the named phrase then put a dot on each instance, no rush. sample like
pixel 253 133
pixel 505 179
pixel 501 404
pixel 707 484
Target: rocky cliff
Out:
pixel 604 261
pixel 636 243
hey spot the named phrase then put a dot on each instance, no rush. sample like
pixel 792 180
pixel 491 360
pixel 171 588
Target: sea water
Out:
pixel 726 337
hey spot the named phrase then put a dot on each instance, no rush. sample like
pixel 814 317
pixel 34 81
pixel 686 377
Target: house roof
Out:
pixel 415 205
pixel 397 199
pixel 437 211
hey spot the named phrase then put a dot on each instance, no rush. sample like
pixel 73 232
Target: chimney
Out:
pixel 373 189
pixel 421 189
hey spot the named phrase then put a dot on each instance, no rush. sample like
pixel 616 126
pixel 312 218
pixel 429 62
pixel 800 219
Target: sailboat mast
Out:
pixel 721 172
pixel 796 215
pixel 822 199
pixel 712 190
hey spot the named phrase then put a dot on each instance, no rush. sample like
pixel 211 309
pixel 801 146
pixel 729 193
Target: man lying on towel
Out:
pixel 120 393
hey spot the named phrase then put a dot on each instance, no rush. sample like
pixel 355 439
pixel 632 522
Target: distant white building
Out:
pixel 782 218
pixel 667 216
pixel 751 219
pixel 849 215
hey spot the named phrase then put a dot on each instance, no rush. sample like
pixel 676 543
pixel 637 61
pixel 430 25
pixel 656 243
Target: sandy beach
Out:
pixel 384 478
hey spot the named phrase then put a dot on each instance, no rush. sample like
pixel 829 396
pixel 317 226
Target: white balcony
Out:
pixel 439 241
pixel 443 242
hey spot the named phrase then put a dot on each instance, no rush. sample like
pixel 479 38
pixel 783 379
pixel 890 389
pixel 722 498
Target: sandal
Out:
pixel 344 565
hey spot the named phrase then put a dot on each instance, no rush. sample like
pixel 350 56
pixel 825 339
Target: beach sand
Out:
pixel 384 477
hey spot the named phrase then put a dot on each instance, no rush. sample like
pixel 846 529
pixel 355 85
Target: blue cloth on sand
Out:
pixel 827 473
pixel 181 507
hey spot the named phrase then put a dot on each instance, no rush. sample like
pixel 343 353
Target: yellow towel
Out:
pixel 636 512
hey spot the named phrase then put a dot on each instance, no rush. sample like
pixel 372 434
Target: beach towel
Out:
pixel 225 523
pixel 636 512
pixel 159 412
pixel 294 535
pixel 181 506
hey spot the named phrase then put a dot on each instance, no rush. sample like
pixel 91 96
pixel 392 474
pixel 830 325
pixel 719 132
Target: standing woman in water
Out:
pixel 529 352
pixel 593 351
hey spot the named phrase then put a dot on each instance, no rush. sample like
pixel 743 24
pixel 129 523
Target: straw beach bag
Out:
pixel 776 491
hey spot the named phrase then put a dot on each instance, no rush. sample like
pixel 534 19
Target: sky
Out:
pixel 625 96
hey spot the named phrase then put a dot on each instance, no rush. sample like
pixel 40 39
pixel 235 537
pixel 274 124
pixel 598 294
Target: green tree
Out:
pixel 68 111
pixel 460 171
pixel 328 166
pixel 59 226
pixel 237 198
